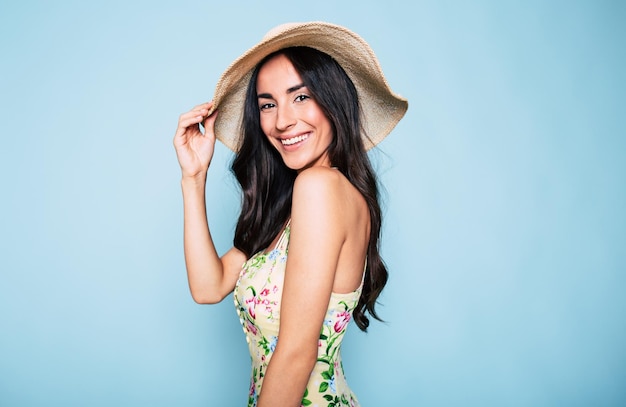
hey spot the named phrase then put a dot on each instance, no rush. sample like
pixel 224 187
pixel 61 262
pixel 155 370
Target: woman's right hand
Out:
pixel 194 149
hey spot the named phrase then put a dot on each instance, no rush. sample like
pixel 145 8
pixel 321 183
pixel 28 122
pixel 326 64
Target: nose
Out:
pixel 284 117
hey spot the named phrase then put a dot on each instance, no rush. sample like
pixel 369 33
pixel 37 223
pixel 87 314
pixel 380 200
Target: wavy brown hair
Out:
pixel 267 183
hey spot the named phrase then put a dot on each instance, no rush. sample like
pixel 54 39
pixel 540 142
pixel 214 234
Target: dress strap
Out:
pixel 284 236
pixel 364 270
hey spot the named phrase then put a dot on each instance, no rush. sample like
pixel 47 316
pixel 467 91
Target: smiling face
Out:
pixel 290 118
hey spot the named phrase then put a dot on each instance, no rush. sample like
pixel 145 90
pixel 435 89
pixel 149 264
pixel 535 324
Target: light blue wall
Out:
pixel 505 208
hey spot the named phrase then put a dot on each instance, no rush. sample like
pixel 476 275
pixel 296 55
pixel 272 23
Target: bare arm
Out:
pixel 317 236
pixel 211 278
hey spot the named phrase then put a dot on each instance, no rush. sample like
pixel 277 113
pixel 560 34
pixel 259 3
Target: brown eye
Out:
pixel 302 98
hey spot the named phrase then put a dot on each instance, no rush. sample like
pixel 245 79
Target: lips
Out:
pixel 293 140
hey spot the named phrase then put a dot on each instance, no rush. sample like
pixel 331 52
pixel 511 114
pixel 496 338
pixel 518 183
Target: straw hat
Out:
pixel 381 109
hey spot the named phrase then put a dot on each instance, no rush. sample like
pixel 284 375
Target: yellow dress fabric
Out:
pixel 257 298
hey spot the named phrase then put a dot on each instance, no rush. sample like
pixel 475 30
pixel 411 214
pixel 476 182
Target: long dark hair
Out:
pixel 267 183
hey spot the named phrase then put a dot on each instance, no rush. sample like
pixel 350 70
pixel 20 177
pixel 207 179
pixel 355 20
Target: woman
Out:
pixel 299 109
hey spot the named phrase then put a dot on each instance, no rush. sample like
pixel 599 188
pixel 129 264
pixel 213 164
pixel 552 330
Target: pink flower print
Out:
pixel 251 312
pixel 342 320
pixel 251 303
pixel 265 292
pixel 251 328
pixel 253 300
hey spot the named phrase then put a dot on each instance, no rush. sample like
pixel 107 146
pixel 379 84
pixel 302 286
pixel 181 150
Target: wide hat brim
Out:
pixel 381 108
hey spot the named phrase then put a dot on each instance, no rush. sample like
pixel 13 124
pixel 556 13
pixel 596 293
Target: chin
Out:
pixel 295 166
pixel 293 163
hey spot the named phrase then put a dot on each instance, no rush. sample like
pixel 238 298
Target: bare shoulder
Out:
pixel 328 190
pixel 322 181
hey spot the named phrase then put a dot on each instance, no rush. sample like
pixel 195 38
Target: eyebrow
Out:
pixel 290 90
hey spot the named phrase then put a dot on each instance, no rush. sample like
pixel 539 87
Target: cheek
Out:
pixel 324 124
pixel 266 127
pixel 314 116
pixel 318 117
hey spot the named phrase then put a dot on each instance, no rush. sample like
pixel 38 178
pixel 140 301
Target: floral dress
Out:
pixel 257 300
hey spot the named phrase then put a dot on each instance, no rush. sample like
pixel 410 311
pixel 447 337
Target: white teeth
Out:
pixel 294 140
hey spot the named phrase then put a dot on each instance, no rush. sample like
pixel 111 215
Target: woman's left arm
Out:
pixel 317 236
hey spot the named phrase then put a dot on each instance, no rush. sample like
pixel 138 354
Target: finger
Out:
pixel 206 105
pixel 209 124
pixel 202 109
pixel 193 117
pixel 193 113
pixel 186 122
pixel 209 113
pixel 210 120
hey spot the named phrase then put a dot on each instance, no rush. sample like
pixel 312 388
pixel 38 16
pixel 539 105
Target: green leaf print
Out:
pixel 333 401
pixel 323 387
pixel 323 360
pixel 305 401
pixel 265 345
pixel 330 345
pixel 258 261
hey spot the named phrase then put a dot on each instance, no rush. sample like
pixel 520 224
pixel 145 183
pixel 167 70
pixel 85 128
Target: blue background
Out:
pixel 505 227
